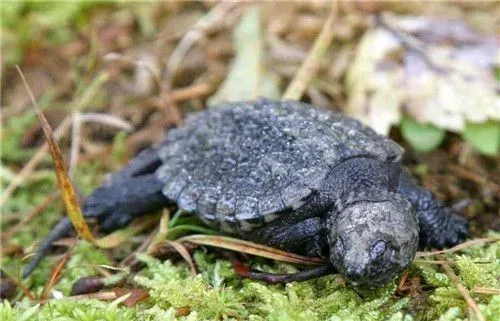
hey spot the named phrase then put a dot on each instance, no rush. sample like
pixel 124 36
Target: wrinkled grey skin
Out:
pixel 287 175
pixel 371 241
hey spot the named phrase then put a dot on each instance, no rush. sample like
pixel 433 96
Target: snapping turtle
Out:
pixel 287 175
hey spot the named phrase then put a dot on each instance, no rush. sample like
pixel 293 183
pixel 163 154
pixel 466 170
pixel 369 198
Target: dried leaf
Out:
pixel 181 249
pixel 134 296
pixel 238 245
pixel 118 237
pixel 56 273
pixel 440 71
pixel 67 191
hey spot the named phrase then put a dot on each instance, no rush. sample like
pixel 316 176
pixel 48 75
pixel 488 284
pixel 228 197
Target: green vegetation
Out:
pixel 217 294
pixel 34 31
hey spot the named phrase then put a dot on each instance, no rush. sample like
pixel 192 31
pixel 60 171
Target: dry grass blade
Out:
pixel 237 245
pixel 67 191
pixel 463 291
pixel 56 273
pixel 118 237
pixel 304 75
pixel 181 249
pixel 60 131
pixel 460 246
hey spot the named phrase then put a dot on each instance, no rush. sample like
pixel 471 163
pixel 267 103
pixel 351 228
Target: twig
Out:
pixel 107 120
pixel 193 91
pixel 81 102
pixel 308 69
pixel 482 290
pixel 432 261
pixel 56 272
pixel 463 291
pixel 78 120
pixel 75 143
pixel 114 56
pixel 247 247
pixel 192 36
pixel 104 296
pixel 460 246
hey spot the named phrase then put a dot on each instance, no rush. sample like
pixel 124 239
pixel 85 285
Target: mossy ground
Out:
pixel 61 48
pixel 216 293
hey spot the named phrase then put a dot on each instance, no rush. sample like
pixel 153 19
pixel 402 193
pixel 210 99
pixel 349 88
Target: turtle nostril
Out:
pixel 353 273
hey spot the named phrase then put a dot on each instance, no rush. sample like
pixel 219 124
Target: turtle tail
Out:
pixel 62 228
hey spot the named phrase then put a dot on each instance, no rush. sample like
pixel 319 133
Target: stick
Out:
pixel 308 69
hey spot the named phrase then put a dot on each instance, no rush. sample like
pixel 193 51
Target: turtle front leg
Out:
pixel 307 237
pixel 440 226
pixel 274 278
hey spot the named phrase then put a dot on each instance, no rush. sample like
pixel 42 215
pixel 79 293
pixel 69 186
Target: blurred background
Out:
pixel 121 73
pixel 111 77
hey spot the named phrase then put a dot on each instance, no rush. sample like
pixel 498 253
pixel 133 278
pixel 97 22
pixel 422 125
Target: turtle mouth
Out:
pixel 369 280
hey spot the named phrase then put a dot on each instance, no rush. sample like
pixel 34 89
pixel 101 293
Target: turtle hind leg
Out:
pixel 114 206
pixel 440 226
pixel 125 200
pixel 62 228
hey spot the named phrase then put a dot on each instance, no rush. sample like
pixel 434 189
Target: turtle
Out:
pixel 288 175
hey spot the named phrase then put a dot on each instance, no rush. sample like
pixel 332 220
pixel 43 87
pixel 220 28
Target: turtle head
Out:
pixel 372 241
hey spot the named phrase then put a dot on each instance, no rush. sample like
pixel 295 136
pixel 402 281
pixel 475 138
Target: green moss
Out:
pixel 76 310
pixel 84 259
pixel 475 266
pixel 217 294
pixel 481 273
pixel 491 309
pixel 170 286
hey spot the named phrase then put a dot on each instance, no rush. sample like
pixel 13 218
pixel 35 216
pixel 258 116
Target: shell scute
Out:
pixel 295 195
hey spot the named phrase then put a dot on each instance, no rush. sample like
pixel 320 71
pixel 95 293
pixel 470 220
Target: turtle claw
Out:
pixel 457 229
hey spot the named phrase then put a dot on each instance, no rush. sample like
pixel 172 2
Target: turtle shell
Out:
pixel 241 165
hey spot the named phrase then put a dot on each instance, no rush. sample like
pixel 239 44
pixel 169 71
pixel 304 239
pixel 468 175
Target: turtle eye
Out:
pixel 378 249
